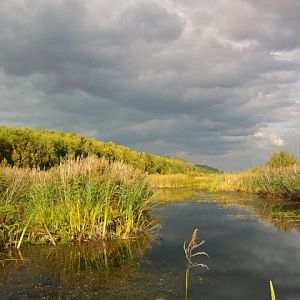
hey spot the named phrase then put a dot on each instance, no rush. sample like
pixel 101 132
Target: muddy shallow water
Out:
pixel 250 241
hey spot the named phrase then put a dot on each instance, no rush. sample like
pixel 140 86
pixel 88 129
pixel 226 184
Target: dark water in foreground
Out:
pixel 249 241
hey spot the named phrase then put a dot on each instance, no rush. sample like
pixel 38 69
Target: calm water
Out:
pixel 249 242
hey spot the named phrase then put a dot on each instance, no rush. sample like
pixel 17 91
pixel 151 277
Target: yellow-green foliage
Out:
pixel 82 199
pixel 281 159
pixel 279 182
pixel 173 181
pixel 23 147
pixel 213 182
pixel 273 297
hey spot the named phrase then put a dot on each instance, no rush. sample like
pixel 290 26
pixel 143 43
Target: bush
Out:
pixel 281 159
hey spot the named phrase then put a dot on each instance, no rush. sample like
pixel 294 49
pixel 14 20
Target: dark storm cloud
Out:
pixel 186 77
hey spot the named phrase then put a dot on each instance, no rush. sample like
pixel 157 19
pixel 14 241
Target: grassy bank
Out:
pixel 212 182
pixel 79 200
pixel 277 182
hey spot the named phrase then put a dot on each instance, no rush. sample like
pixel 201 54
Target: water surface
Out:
pixel 249 242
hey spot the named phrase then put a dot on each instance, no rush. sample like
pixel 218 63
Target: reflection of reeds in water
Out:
pixel 102 257
pixel 191 251
pixel 72 270
pixel 284 215
pixel 84 262
pixel 171 195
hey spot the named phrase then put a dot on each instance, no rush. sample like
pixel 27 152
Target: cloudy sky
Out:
pixel 213 81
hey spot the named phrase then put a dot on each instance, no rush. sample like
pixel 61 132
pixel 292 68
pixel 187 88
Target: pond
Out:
pixel 249 240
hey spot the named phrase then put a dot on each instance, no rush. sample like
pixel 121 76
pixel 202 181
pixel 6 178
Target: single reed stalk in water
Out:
pixel 273 297
pixel 189 251
pixel 190 248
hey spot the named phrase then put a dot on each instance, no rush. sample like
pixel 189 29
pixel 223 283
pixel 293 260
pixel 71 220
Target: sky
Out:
pixel 214 82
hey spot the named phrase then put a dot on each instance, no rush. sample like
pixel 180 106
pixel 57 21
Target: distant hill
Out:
pixel 206 169
pixel 24 147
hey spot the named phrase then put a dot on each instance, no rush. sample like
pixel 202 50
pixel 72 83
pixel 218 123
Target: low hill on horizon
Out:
pixel 207 169
pixel 25 147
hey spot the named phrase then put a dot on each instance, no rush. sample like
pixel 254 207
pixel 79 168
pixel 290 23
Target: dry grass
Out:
pixel 191 251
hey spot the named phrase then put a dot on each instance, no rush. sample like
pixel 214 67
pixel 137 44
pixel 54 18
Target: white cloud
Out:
pixel 267 139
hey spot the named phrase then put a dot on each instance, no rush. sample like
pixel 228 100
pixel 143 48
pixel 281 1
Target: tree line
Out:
pixel 43 149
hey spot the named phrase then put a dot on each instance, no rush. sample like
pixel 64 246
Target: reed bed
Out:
pixel 172 181
pixel 80 200
pixel 276 182
pixel 280 182
pixel 212 182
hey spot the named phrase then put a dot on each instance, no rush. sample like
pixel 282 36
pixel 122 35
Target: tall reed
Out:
pixel 276 182
pixel 82 199
pixel 280 182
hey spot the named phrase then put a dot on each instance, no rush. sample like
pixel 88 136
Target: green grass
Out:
pixel 173 181
pixel 280 182
pixel 276 182
pixel 212 182
pixel 80 200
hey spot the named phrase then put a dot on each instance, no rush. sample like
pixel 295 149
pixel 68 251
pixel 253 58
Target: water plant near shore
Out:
pixel 82 199
pixel 275 182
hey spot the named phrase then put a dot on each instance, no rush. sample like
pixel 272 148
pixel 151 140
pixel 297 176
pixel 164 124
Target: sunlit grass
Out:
pixel 278 182
pixel 83 199
pixel 273 297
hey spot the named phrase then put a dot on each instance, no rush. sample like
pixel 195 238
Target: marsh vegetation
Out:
pixel 97 204
pixel 80 200
pixel 236 228
pixel 279 177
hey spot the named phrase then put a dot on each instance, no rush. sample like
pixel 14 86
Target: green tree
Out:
pixel 281 159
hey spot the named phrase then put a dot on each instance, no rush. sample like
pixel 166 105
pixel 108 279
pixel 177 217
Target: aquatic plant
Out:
pixel 280 182
pixel 191 251
pixel 276 182
pixel 273 297
pixel 82 199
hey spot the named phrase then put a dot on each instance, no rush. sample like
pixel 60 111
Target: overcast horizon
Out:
pixel 214 83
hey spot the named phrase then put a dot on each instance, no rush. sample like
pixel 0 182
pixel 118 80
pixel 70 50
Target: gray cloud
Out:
pixel 204 81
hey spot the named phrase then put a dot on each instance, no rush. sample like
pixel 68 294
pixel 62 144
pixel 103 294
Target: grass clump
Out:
pixel 280 182
pixel 80 200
